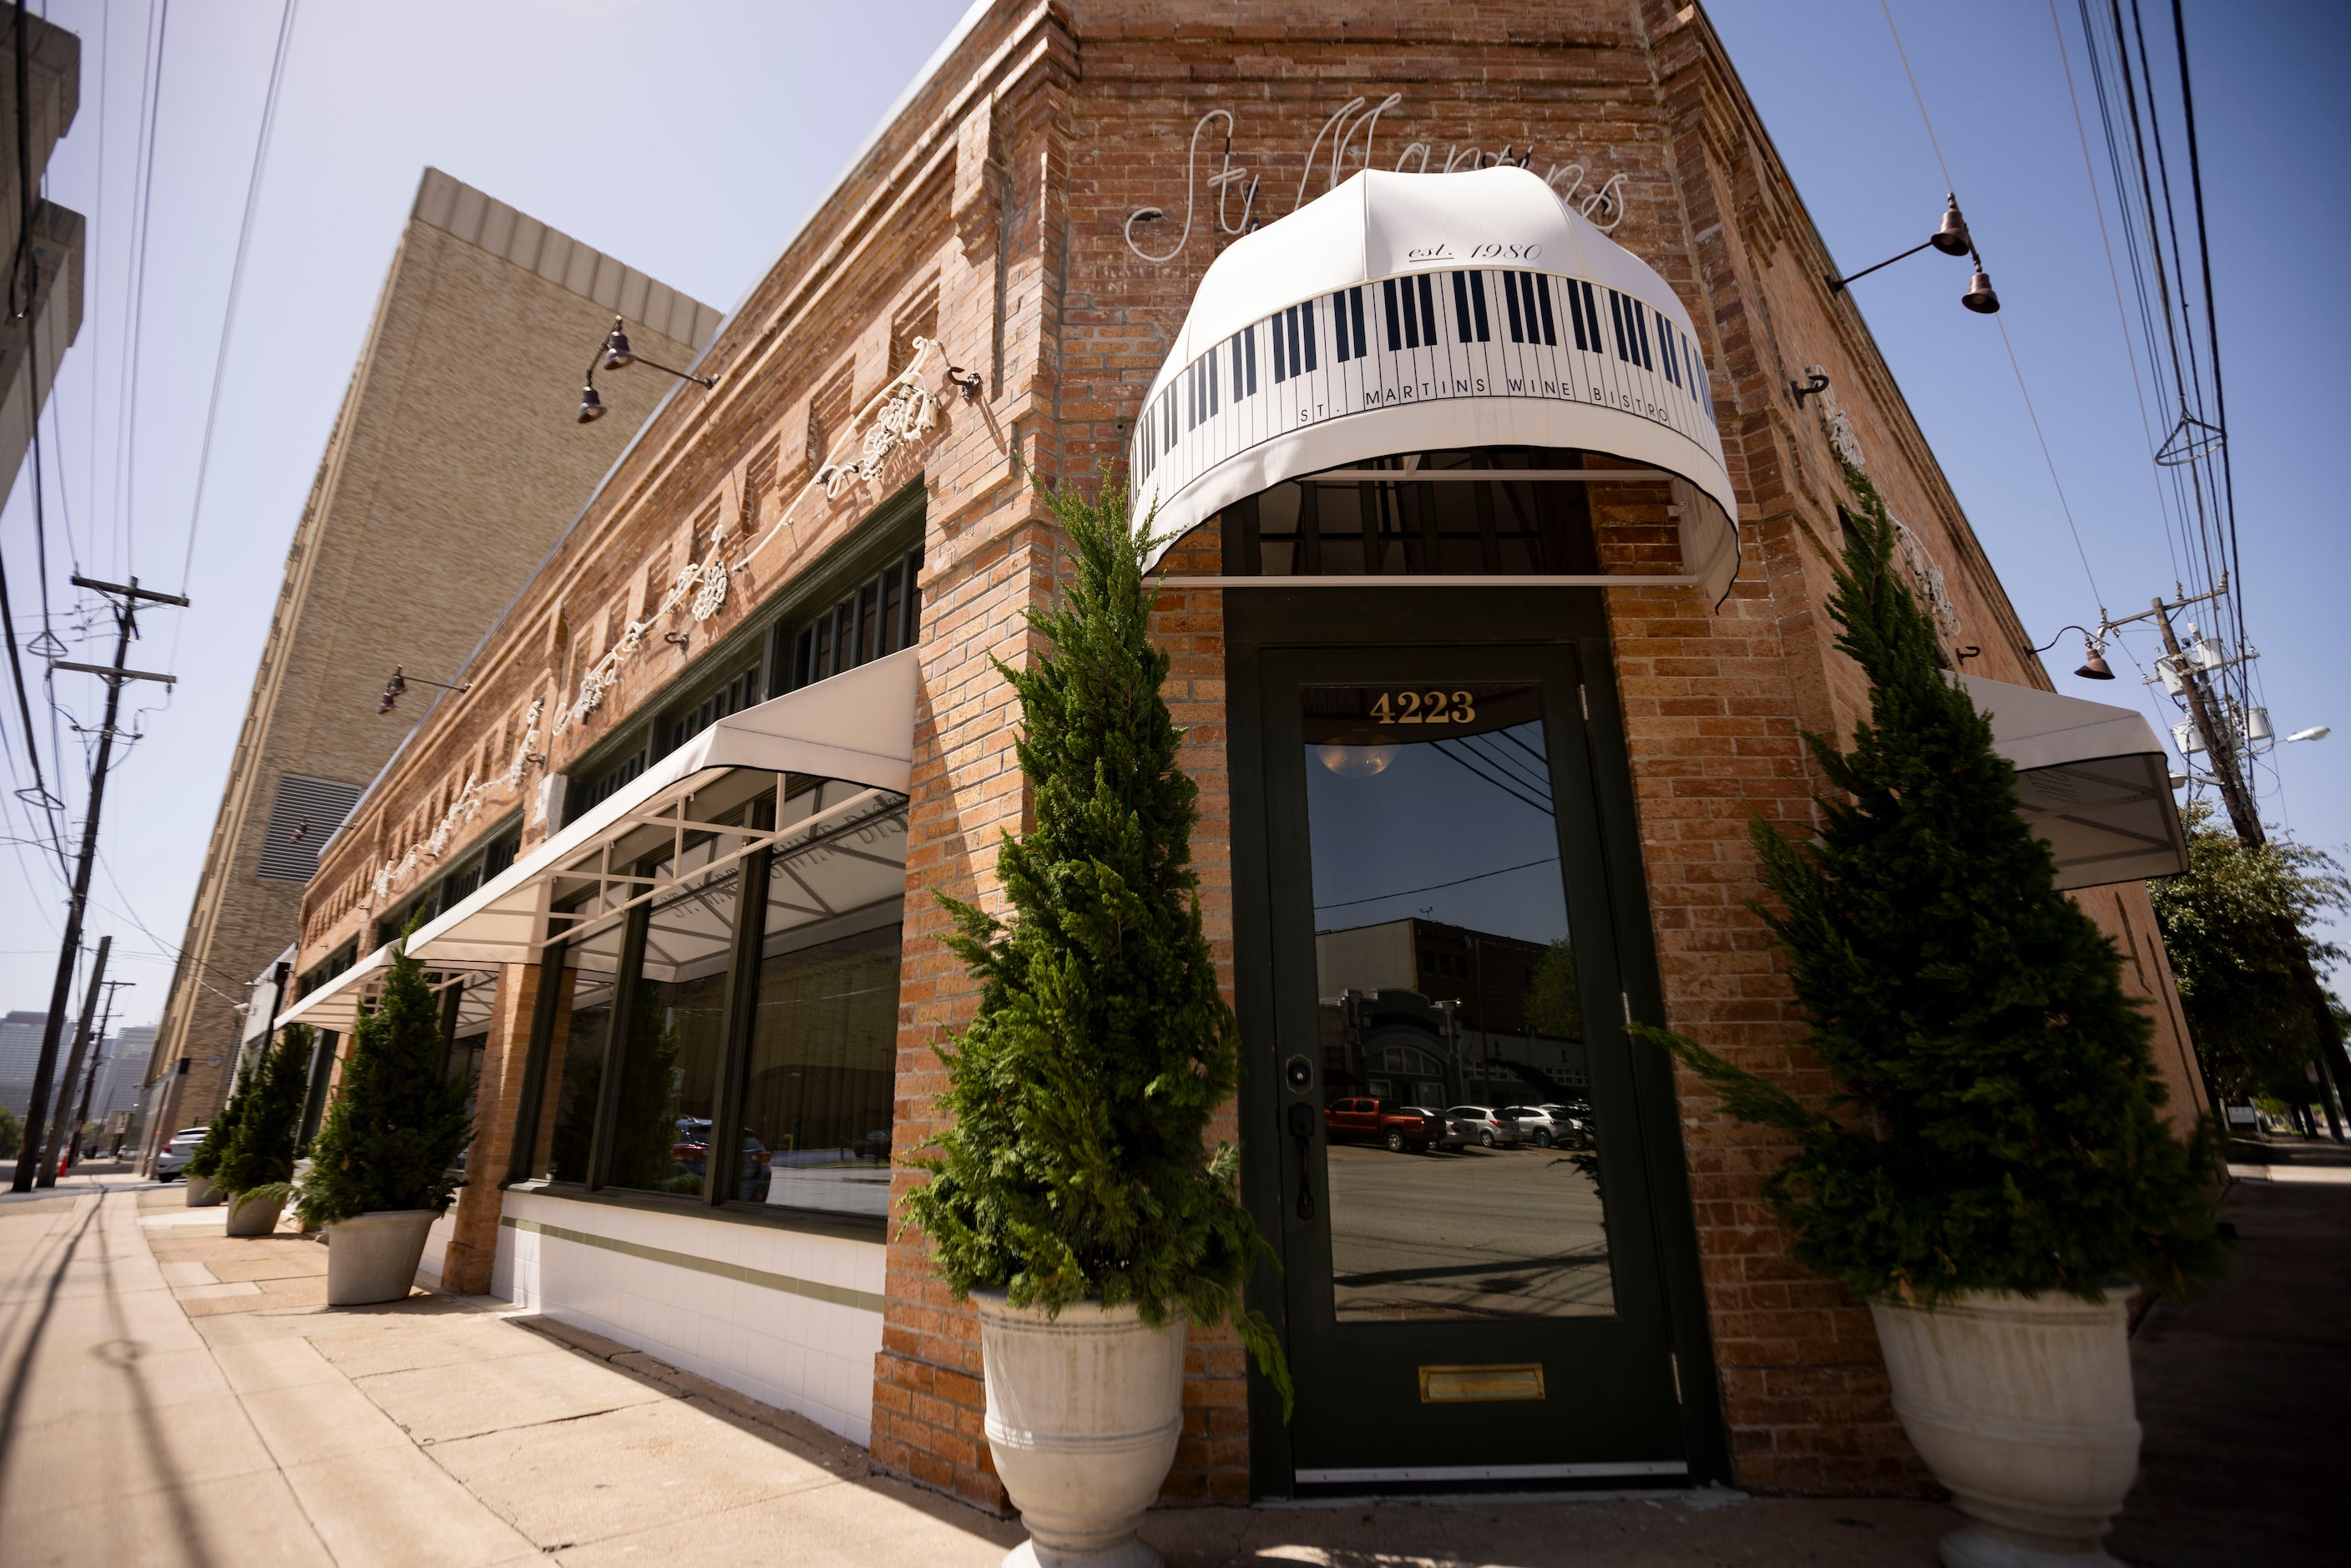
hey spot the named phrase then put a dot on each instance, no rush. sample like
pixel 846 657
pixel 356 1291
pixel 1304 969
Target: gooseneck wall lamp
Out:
pixel 394 688
pixel 1951 238
pixel 614 354
pixel 2094 655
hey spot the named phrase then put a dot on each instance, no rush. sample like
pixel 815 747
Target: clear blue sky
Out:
pixel 692 137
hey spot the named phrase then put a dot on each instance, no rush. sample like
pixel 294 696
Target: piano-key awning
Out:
pixel 1407 313
pixel 857 727
pixel 337 1004
pixel 2092 779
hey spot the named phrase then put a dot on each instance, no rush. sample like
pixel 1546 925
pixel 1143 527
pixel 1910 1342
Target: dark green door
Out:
pixel 1488 1309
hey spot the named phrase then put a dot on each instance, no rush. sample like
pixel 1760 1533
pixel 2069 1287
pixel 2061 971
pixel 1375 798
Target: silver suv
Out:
pixel 172 1162
pixel 1486 1126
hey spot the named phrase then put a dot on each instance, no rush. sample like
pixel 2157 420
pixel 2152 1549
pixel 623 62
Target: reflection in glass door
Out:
pixel 1470 1274
pixel 1445 980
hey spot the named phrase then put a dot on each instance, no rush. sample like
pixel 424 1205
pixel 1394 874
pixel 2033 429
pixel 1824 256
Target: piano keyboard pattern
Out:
pixel 1422 338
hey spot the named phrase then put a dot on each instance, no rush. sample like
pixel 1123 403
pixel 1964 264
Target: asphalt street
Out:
pixel 1484 1233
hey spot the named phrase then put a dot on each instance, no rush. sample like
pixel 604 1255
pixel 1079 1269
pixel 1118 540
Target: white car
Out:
pixel 172 1162
pixel 1546 1126
pixel 1573 1124
pixel 1487 1126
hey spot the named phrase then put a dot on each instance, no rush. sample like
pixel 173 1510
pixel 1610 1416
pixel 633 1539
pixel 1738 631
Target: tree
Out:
pixel 1998 1125
pixel 12 1132
pixel 1080 1093
pixel 396 1122
pixel 260 1156
pixel 2229 924
pixel 1554 1006
pixel 205 1159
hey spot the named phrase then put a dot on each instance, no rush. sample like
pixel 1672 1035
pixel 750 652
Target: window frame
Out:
pixel 896 528
pixel 746 954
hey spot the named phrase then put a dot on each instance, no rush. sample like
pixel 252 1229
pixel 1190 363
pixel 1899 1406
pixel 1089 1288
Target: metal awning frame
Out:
pixel 363 983
pixel 1685 495
pixel 835 820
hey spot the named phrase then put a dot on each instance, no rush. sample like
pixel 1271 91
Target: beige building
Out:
pixel 455 464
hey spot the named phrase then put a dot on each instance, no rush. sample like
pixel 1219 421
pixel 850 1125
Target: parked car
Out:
pixel 1449 1133
pixel 1488 1127
pixel 1546 1126
pixel 173 1162
pixel 692 1151
pixel 1362 1121
pixel 1578 1122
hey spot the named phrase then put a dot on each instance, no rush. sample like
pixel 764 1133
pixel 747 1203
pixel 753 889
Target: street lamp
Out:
pixel 1952 238
pixel 614 353
pixel 2094 662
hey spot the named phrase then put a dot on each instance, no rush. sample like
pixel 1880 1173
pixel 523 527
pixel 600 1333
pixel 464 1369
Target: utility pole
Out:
pixel 89 1079
pixel 2220 748
pixel 126 622
pixel 48 1176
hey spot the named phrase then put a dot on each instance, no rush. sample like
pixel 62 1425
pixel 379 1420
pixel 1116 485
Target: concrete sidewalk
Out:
pixel 180 1398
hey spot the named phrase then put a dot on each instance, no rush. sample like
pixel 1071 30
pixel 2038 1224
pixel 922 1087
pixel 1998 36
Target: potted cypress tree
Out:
pixel 1995 1178
pixel 205 1160
pixel 380 1164
pixel 1073 1199
pixel 258 1170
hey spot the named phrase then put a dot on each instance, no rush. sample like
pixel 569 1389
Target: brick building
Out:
pixel 676 846
pixel 435 498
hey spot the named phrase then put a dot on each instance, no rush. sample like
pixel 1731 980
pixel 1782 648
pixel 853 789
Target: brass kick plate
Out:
pixel 1480 1385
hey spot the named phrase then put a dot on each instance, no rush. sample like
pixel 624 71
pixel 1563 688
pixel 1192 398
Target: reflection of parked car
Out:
pixel 1546 1126
pixel 1451 1134
pixel 173 1162
pixel 1576 1121
pixel 1488 1127
pixel 1376 1122
pixel 692 1150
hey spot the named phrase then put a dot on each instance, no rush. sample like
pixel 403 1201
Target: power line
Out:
pixel 2032 413
pixel 236 283
pixel 134 282
pixel 1435 886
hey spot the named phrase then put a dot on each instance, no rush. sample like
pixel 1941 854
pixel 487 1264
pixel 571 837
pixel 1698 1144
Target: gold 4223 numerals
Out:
pixel 1424 708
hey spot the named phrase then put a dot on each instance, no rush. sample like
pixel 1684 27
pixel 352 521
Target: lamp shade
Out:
pixel 591 407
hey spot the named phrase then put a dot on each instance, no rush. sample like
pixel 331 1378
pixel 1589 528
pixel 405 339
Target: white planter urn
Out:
pixel 1084 1412
pixel 254 1216
pixel 202 1193
pixel 2022 1405
pixel 373 1257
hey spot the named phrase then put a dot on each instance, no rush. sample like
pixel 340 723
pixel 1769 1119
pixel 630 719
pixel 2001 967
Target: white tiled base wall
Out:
pixel 777 1339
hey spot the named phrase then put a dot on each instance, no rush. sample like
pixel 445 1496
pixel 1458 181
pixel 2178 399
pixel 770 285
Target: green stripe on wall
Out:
pixel 863 1301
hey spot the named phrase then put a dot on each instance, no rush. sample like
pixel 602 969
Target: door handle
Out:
pixel 1301 1127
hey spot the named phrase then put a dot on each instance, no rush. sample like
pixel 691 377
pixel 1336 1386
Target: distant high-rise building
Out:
pixel 119 1069
pixel 20 1055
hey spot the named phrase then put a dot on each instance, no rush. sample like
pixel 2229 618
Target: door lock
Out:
pixel 1301 1127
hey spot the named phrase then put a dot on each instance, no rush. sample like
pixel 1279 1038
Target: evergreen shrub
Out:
pixel 1998 1124
pixel 396 1124
pixel 1080 1095
pixel 205 1159
pixel 260 1156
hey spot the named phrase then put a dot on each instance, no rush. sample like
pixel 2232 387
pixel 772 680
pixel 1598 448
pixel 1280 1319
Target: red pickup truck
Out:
pixel 1377 1122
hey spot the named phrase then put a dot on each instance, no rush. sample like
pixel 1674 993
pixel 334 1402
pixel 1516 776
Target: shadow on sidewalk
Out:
pixel 2243 1395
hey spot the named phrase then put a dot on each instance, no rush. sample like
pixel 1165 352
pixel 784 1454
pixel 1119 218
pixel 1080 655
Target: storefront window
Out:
pixel 662 1137
pixel 807 1043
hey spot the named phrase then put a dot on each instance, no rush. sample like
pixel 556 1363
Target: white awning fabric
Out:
pixel 337 1004
pixel 1407 313
pixel 2092 780
pixel 854 727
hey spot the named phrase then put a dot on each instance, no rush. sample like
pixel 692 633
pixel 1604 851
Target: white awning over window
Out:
pixel 337 1004
pixel 857 727
pixel 1405 313
pixel 2093 781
